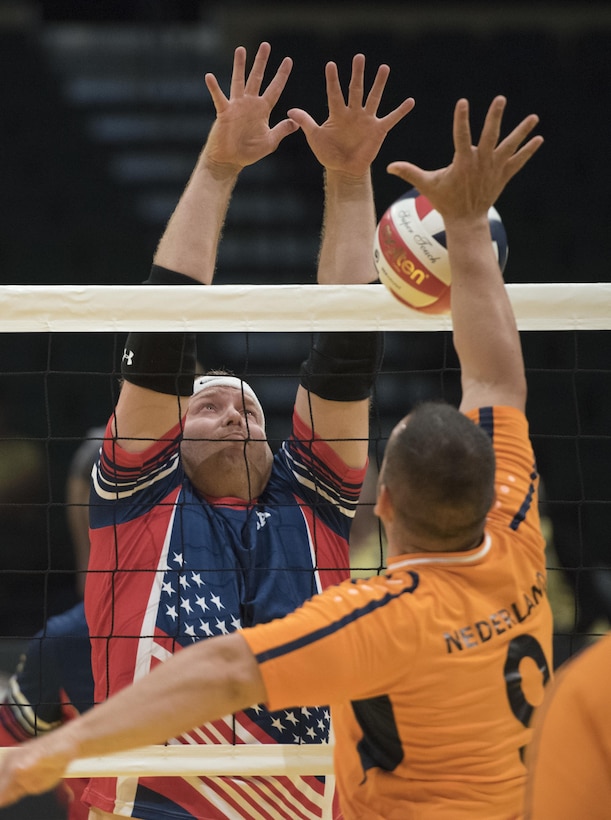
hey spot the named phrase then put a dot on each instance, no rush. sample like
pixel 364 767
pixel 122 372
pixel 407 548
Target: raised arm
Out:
pixel 240 136
pixel 346 144
pixel 485 334
pixel 186 254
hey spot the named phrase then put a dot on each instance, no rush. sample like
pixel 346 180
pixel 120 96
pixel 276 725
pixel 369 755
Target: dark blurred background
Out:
pixel 104 111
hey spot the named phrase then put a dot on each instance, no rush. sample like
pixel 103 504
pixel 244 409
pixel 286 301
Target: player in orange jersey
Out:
pixel 432 670
pixel 569 758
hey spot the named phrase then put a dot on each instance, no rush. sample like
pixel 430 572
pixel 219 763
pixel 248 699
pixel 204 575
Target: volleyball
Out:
pixel 411 256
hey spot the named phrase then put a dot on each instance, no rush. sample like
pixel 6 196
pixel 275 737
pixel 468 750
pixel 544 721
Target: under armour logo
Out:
pixel 262 519
pixel 128 356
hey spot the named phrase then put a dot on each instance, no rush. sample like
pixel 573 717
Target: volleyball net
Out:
pixel 564 331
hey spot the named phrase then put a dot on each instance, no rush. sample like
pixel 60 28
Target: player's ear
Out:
pixel 383 507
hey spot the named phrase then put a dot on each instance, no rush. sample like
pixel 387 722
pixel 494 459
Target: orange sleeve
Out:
pixel 332 649
pixel 517 480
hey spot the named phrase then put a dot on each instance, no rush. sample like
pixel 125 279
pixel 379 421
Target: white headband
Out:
pixel 206 382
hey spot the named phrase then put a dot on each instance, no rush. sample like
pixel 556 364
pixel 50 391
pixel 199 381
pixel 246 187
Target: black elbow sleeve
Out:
pixel 164 362
pixel 343 366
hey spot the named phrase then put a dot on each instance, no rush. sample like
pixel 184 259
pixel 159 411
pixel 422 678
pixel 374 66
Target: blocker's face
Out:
pixel 224 434
pixel 223 412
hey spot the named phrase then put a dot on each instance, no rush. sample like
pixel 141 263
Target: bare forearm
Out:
pixel 190 242
pixel 348 230
pixel 485 333
pixel 202 683
pixel 240 136
pixel 205 681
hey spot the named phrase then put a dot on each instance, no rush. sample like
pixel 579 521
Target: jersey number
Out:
pixel 524 646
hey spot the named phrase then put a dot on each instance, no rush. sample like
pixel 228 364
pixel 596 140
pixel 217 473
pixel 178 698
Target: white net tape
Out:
pixel 213 761
pixel 223 308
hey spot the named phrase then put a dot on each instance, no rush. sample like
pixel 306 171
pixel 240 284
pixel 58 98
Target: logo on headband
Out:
pixel 221 380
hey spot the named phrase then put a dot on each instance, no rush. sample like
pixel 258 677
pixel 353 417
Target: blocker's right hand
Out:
pixel 241 134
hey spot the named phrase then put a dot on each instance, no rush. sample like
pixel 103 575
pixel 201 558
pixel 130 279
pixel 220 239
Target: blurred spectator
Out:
pixel 23 524
pixel 573 448
pixel 78 488
pixel 52 684
pixel 53 681
pixel 367 538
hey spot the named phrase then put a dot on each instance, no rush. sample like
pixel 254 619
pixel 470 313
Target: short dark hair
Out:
pixel 218 371
pixel 439 471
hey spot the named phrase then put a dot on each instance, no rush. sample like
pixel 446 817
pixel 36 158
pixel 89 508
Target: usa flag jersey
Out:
pixel 169 567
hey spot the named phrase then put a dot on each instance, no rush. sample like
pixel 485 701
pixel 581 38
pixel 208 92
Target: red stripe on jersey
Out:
pixel 11 731
pixel 271 785
pixel 227 789
pixel 330 558
pixel 211 732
